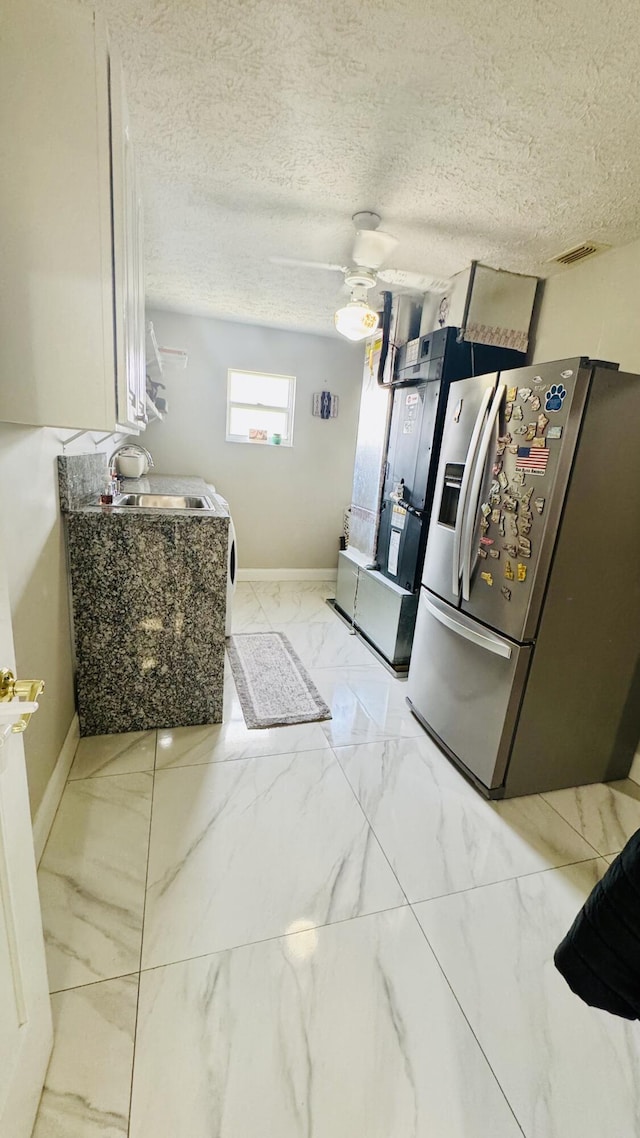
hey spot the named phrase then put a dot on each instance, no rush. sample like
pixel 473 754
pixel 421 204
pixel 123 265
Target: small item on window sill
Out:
pixel 276 440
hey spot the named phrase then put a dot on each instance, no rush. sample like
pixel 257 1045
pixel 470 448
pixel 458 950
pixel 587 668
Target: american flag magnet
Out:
pixel 532 459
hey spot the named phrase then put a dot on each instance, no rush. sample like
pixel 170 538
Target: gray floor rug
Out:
pixel 274 688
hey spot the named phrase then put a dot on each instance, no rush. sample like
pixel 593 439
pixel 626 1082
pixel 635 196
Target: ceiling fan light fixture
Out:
pixel 356 320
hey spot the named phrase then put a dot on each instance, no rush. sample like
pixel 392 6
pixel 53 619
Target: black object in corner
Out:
pixel 600 956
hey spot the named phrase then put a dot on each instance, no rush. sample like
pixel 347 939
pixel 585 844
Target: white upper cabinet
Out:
pixel 71 286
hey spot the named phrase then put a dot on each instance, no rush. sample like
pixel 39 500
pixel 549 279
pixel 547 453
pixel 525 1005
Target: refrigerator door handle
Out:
pixel 483 640
pixel 469 465
pixel 476 483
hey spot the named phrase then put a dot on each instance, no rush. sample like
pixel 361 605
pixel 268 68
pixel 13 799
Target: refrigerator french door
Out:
pixel 524 665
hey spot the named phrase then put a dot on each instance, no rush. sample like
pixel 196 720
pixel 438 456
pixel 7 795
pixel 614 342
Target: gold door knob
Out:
pixel 27 690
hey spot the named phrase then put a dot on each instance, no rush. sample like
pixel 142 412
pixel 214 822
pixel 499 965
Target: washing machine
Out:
pixel 232 557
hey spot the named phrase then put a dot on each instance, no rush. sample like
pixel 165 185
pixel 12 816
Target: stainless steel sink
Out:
pixel 164 501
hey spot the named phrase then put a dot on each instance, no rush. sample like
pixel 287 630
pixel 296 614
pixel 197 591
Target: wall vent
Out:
pixel 579 253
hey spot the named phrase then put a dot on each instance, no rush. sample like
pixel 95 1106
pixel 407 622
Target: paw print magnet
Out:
pixel 555 397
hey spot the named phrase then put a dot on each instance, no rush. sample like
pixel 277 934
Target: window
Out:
pixel 260 407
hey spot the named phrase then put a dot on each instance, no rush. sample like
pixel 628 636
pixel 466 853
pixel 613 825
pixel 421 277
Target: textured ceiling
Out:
pixel 501 130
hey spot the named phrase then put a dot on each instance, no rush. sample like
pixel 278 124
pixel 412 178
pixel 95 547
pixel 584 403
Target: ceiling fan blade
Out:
pixel 416 281
pixel 372 247
pixel 293 263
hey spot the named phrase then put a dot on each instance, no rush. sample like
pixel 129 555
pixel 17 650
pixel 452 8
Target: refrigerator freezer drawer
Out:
pixel 466 683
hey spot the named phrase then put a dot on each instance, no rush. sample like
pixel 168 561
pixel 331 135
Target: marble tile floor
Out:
pixel 322 931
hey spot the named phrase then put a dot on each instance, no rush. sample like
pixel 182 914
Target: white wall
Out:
pixel 592 309
pixel 32 539
pixel 287 502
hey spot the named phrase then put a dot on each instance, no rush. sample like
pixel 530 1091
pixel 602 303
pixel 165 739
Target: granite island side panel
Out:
pixel 148 596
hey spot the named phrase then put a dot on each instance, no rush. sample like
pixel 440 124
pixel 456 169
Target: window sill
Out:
pixel 258 442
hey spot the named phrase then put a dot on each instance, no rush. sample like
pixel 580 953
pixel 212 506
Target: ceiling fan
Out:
pixel 371 248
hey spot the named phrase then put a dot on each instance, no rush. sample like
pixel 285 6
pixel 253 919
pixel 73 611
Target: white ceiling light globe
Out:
pixel 356 320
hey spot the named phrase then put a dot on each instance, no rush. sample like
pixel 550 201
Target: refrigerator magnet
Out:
pixel 524 547
pixel 503 480
pixel 482 553
pixel 535 403
pixel 512 393
pixel 556 395
pixel 539 442
pixel 554 433
pixel 517 412
pixel 495 553
pixel 530 432
pixel 508 411
pixel 488 577
pixel 495 517
pixel 501 526
pixel 486 508
pixel 512 550
pixel 542 424
pixel 524 393
pixel 506 593
pixel 522 572
pixel 510 503
pixel 539 504
pixel 508 571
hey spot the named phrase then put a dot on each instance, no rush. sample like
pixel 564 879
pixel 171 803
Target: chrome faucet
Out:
pixel 132 446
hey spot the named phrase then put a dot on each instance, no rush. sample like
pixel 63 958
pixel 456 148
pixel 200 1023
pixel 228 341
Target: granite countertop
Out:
pixel 156 484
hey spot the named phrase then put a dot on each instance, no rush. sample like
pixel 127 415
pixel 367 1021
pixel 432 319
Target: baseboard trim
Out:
pixel 287 574
pixel 46 811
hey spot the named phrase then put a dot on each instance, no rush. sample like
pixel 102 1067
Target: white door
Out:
pixel 25 1017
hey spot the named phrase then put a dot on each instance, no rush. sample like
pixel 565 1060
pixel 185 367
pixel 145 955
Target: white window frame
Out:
pixel 288 410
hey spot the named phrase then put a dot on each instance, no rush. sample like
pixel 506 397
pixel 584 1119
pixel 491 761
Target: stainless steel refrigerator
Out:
pixel 525 655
